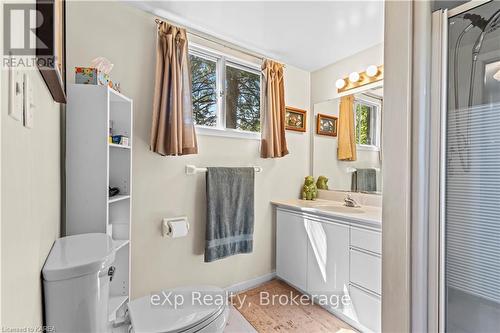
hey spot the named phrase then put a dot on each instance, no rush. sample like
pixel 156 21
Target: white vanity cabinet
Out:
pixel 291 254
pixel 325 255
pixel 365 276
pixel 327 259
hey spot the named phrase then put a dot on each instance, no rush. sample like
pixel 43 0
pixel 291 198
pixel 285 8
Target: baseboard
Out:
pixel 249 284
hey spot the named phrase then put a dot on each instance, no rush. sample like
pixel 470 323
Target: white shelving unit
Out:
pixel 93 164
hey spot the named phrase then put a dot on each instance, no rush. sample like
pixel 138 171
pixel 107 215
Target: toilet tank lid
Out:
pixel 78 255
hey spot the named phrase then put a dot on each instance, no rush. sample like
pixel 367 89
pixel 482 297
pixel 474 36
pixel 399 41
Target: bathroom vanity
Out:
pixel 324 248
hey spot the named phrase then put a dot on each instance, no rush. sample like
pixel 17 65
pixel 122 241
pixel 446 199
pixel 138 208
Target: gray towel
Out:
pixel 364 180
pixel 230 212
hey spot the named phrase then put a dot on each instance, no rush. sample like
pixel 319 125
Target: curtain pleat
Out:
pixel 172 130
pixel 346 134
pixel 273 140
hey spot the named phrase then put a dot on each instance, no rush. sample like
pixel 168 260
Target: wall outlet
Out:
pixel 29 106
pixel 16 93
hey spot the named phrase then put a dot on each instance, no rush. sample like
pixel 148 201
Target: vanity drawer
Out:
pixel 366 270
pixel 366 239
pixel 367 308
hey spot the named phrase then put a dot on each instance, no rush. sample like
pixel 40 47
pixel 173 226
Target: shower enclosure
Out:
pixel 470 170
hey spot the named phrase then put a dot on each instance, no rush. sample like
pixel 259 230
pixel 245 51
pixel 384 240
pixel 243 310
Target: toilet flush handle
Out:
pixel 111 272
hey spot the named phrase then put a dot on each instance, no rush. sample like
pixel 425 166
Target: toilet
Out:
pixel 147 316
pixel 76 279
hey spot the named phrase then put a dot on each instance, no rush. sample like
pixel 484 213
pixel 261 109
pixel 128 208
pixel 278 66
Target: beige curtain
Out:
pixel 172 131
pixel 273 141
pixel 346 134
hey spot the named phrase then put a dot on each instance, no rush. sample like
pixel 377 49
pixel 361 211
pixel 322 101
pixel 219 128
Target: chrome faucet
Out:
pixel 350 202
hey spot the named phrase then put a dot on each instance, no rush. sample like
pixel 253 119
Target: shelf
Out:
pixel 115 302
pixel 115 145
pixel 120 243
pixel 115 96
pixel 118 197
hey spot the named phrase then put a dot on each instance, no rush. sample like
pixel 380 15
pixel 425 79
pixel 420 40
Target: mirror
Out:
pixel 363 173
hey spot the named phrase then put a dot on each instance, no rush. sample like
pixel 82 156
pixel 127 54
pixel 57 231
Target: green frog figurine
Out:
pixel 322 183
pixel 309 190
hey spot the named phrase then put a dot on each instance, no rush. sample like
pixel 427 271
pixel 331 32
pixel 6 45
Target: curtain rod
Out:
pixel 219 42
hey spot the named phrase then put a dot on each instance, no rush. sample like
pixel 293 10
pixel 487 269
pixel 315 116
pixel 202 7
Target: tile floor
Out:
pixel 237 323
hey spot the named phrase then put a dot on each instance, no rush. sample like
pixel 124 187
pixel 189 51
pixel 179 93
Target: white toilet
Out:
pixel 148 317
pixel 76 289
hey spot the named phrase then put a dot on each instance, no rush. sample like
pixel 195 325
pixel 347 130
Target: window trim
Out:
pixel 377 103
pixel 222 60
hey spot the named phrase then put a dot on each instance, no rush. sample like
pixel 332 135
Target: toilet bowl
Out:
pixel 76 280
pixel 202 309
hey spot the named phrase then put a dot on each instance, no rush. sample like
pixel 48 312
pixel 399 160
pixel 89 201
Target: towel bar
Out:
pixel 192 169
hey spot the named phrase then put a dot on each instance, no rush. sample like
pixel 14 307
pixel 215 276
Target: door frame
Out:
pixel 437 153
pixel 396 156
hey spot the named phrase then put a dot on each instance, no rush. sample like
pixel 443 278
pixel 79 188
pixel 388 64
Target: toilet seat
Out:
pixel 193 315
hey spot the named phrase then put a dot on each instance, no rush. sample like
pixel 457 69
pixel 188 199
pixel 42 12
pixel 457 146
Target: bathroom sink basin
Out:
pixel 343 209
pixel 338 208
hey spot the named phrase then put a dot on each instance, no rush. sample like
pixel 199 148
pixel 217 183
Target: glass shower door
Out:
pixel 472 176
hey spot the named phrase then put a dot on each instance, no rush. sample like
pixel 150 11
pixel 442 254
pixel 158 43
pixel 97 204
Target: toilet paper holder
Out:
pixel 165 227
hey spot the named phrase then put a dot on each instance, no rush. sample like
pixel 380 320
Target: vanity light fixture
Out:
pixel 371 71
pixel 354 77
pixel 372 74
pixel 340 83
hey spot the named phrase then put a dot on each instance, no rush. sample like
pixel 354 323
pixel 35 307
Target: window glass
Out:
pixel 363 112
pixel 204 90
pixel 366 123
pixel 242 99
pixel 225 92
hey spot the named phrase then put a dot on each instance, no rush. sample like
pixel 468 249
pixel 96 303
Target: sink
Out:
pixel 338 208
pixel 343 209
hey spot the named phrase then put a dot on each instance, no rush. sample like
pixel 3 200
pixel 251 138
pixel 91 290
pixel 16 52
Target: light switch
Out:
pixel 29 106
pixel 16 99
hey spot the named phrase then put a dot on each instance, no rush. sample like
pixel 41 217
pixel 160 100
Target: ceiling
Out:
pixel 308 35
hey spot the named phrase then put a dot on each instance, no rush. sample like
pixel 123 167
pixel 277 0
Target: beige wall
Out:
pixel 324 99
pixel 323 80
pixel 30 203
pixel 126 36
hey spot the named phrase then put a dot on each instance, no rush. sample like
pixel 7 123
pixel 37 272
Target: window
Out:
pixel 367 120
pixel 204 90
pixel 225 93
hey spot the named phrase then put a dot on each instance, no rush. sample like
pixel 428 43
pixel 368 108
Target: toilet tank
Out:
pixel 76 278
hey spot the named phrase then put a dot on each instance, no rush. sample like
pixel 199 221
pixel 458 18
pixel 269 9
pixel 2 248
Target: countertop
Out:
pixel 367 215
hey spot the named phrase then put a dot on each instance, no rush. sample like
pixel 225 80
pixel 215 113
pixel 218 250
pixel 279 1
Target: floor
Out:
pixel 469 313
pixel 237 323
pixel 251 313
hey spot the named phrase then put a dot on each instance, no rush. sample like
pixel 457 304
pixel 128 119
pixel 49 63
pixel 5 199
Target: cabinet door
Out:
pixel 328 261
pixel 366 308
pixel 291 249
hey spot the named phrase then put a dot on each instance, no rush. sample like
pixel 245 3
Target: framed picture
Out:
pixel 326 125
pixel 295 119
pixel 50 52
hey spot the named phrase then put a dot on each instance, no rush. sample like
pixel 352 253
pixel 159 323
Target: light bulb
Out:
pixel 340 83
pixel 496 76
pixel 372 71
pixel 354 77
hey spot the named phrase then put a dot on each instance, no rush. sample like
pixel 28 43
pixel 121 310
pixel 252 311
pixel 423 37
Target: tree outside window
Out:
pixel 225 93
